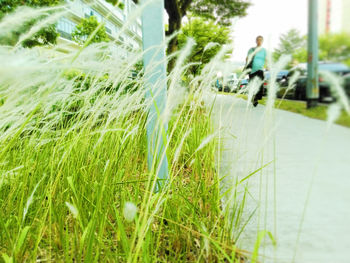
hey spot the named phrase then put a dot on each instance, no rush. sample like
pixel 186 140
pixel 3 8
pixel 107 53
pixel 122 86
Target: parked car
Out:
pixel 226 83
pixel 231 81
pixel 280 77
pixel 325 93
pixel 242 87
pixel 283 74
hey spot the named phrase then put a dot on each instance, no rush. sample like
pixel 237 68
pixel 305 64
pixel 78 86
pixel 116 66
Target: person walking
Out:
pixel 255 61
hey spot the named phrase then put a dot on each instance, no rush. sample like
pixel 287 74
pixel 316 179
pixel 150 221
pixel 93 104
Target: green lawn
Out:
pixel 63 193
pixel 319 112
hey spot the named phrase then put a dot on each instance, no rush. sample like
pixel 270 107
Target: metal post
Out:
pixel 312 91
pixel 153 36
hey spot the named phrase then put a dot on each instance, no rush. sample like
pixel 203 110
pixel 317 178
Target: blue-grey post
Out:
pixel 153 35
pixel 312 91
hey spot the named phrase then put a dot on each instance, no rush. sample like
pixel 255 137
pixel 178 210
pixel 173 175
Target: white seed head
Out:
pixel 72 209
pixel 333 113
pixel 130 211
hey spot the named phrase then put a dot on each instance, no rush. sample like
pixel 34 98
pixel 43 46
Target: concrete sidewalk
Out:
pixel 302 152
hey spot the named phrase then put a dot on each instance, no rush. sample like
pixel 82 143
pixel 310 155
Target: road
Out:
pixel 302 196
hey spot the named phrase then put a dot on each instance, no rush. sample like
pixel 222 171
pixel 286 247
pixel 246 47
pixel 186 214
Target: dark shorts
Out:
pixel 258 74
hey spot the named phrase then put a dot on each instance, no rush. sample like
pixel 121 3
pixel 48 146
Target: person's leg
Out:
pixel 251 76
pixel 254 98
pixel 260 75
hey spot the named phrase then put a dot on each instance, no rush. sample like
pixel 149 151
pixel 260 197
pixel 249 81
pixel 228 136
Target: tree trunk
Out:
pixel 175 17
pixel 173 44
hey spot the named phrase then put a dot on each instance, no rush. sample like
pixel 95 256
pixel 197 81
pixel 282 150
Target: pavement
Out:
pixel 302 196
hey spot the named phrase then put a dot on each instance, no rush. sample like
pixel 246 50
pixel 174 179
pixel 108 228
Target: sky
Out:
pixel 269 18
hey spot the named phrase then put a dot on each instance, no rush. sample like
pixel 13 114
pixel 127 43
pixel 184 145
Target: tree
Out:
pixel 47 35
pixel 117 3
pixel 86 27
pixel 220 11
pixel 203 32
pixel 292 43
pixel 332 47
pixel 335 47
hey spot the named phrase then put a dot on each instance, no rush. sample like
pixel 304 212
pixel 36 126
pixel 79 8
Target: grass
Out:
pixel 319 112
pixel 97 177
pixel 74 180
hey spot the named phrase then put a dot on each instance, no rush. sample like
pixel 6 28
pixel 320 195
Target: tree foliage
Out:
pixel 335 47
pixel 292 43
pixel 221 11
pixel 47 35
pixel 209 38
pixel 86 27
pixel 117 3
pixel 7 6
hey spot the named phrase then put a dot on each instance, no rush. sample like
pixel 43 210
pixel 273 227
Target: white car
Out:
pixel 232 81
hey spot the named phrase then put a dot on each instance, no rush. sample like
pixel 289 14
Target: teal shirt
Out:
pixel 259 59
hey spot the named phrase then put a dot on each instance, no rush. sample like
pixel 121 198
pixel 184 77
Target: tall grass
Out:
pixel 74 182
pixel 74 178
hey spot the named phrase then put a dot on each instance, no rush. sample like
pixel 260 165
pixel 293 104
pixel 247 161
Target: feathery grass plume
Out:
pixel 72 209
pixel 210 45
pixel 272 87
pixel 206 241
pixel 333 113
pixel 53 18
pixel 291 85
pixel 179 148
pixel 176 91
pixel 7 176
pixel 337 89
pixel 209 71
pixel 23 15
pixel 79 116
pixel 253 88
pixel 207 140
pixel 129 211
pixel 30 200
pixel 342 101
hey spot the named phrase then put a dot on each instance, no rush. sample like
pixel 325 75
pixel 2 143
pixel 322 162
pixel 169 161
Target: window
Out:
pixel 132 6
pixel 108 30
pixel 133 28
pixel 65 27
pixel 139 32
pixel 136 45
pixel 88 11
pixel 109 27
pixel 116 29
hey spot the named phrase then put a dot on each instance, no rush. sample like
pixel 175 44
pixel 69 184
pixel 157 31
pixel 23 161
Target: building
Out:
pixel 334 16
pixel 346 16
pixel 130 40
